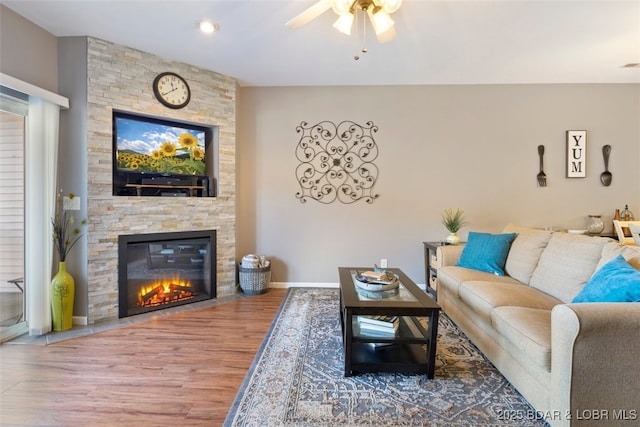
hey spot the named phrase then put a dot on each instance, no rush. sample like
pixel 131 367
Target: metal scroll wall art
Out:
pixel 337 162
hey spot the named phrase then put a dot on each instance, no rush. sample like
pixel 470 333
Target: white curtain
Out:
pixel 41 160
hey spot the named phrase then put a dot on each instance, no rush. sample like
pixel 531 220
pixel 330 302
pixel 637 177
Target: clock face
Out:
pixel 171 90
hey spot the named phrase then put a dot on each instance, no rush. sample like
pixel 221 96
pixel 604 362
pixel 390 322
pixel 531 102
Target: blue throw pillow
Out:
pixel 616 281
pixel 486 252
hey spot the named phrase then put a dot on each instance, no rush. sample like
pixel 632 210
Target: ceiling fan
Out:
pixel 379 12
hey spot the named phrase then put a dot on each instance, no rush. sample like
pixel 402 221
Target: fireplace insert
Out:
pixel 162 270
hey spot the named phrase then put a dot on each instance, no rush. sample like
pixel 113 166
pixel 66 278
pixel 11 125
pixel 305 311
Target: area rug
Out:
pixel 297 379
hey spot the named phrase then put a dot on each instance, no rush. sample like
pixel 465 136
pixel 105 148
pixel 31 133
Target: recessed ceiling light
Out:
pixel 632 65
pixel 207 26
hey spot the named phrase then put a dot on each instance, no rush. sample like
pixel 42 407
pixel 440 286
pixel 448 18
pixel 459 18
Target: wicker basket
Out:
pixel 254 281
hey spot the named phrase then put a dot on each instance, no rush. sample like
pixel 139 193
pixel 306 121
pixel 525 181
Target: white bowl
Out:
pixel 577 231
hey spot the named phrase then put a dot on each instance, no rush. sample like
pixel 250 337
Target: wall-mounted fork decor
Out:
pixel 542 177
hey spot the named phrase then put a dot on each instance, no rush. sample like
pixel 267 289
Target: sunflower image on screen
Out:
pixel 156 148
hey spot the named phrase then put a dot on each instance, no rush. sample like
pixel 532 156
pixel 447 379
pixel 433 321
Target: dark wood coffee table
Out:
pixel 411 350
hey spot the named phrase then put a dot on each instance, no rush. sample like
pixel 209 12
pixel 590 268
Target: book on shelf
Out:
pixel 378 330
pixel 380 320
pixel 377 333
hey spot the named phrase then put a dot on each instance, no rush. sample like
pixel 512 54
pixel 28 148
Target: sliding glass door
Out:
pixel 13 113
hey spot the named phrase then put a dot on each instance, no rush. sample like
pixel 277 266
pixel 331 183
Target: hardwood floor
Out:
pixel 183 369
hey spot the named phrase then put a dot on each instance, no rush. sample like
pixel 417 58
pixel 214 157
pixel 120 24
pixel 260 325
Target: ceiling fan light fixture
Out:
pixel 390 6
pixel 207 26
pixel 387 36
pixel 380 20
pixel 344 23
pixel 347 10
pixel 341 7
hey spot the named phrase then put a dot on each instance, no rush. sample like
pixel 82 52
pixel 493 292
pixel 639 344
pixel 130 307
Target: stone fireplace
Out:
pixel 120 78
pixel 163 270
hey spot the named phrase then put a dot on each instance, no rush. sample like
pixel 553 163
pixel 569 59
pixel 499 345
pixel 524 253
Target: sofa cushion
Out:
pixel 566 264
pixel 525 251
pixel 616 281
pixel 486 252
pixel 613 249
pixel 528 329
pixel 484 296
pixel 452 277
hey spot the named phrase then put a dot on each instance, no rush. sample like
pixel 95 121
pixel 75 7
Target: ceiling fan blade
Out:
pixel 310 14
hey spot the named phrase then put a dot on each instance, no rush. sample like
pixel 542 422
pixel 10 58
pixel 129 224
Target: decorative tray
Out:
pixel 377 295
pixel 377 285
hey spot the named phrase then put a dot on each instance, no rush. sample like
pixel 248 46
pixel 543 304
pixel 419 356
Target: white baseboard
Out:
pixel 79 320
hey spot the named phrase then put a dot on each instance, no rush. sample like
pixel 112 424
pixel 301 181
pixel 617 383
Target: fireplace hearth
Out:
pixel 162 270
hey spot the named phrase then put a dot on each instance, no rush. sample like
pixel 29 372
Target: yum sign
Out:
pixel 576 153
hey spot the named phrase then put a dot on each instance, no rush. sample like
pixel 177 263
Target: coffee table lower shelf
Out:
pixel 395 357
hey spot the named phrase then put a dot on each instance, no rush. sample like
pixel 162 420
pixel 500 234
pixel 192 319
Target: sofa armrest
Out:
pixel 595 349
pixel 449 255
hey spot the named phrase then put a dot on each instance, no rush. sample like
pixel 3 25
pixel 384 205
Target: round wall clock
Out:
pixel 171 90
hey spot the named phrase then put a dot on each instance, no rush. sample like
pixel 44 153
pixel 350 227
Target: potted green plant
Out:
pixel 453 221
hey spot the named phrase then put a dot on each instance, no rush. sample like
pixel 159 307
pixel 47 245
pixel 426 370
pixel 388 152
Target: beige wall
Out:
pixel 27 52
pixel 472 147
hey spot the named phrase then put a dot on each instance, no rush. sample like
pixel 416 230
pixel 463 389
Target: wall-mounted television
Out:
pixel 159 157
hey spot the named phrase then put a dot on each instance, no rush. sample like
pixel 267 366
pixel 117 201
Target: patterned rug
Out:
pixel 297 379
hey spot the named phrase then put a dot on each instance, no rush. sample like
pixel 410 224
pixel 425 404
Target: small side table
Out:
pixel 431 266
pixel 432 262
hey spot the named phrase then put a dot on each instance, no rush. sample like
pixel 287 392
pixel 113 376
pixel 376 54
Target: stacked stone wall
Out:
pixel 120 78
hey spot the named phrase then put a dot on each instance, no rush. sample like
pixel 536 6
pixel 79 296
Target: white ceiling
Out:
pixel 438 41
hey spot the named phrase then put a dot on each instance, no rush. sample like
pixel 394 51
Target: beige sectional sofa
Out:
pixel 576 363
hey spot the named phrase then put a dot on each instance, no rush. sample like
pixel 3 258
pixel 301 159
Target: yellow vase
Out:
pixel 62 295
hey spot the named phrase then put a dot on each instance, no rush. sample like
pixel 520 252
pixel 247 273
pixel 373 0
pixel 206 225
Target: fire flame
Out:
pixel 164 291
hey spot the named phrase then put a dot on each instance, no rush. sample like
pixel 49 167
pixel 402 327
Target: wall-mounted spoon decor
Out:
pixel 542 177
pixel 606 177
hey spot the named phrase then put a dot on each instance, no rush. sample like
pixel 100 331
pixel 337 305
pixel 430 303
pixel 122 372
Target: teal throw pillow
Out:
pixel 486 252
pixel 616 281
